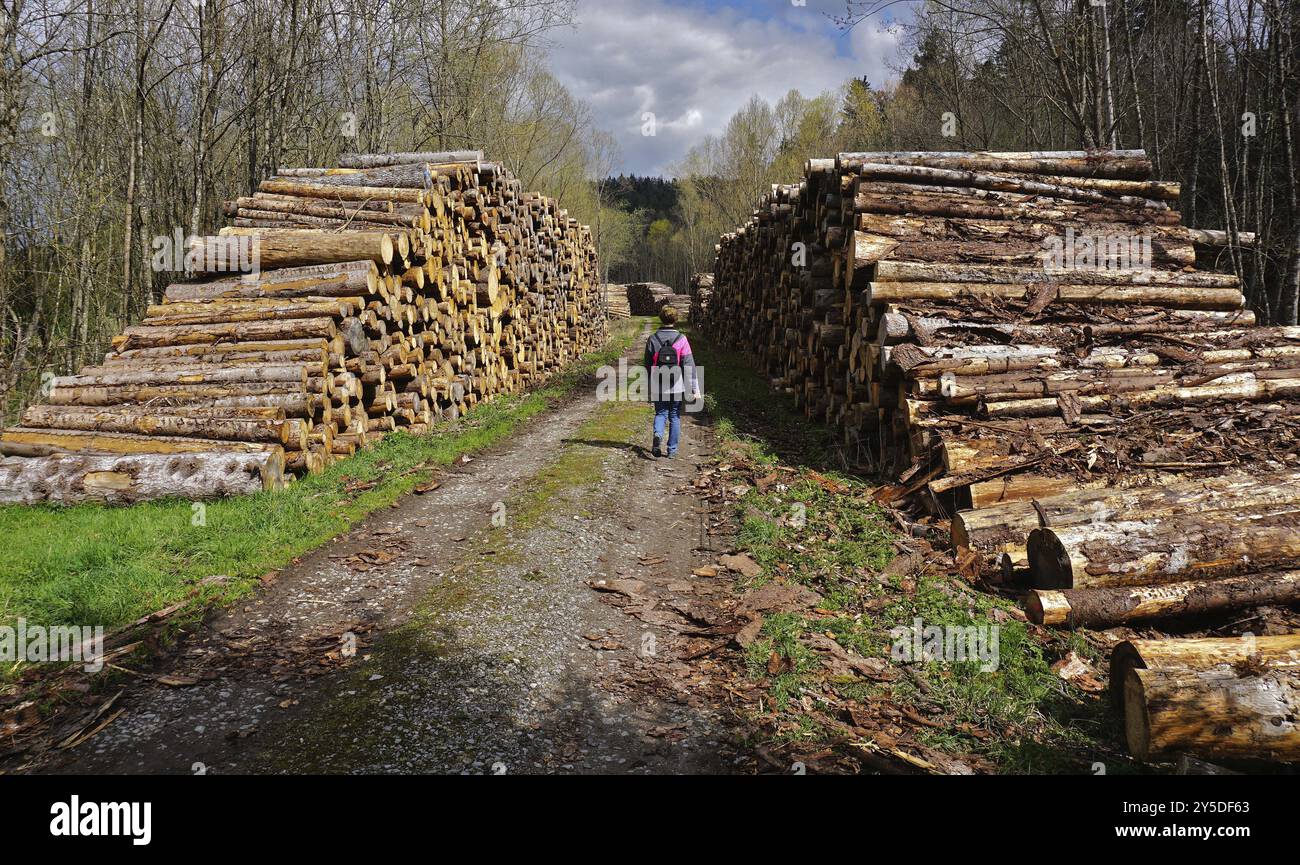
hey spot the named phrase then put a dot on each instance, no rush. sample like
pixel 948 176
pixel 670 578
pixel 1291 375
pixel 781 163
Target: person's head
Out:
pixel 668 316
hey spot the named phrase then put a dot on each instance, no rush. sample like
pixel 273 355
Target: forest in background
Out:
pixel 1209 89
pixel 126 120
pixel 123 121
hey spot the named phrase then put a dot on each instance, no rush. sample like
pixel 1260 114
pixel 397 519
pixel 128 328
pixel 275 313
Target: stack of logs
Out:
pixel 701 293
pixel 1023 340
pixel 616 303
pixel 389 293
pixel 647 298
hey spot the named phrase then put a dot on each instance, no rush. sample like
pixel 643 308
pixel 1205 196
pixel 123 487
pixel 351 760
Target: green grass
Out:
pixel 614 424
pixel 813 526
pixel 95 565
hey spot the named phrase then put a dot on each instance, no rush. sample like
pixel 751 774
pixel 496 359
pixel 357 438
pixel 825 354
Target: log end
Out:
pixel 1047 607
pixel 1137 724
pixel 1049 562
pixel 960 537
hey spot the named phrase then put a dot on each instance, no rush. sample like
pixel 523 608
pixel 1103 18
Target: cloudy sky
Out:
pixel 693 63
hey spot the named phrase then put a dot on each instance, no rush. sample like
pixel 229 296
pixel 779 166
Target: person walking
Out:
pixel 671 366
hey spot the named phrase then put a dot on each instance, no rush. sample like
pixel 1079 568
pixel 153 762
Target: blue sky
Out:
pixel 693 63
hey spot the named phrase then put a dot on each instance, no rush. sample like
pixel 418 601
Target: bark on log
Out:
pixel 1005 528
pixel 1107 608
pixel 345 279
pixel 1184 297
pixel 294 374
pixel 380 160
pixel 1245 387
pixel 21 441
pixel 290 433
pixel 1130 164
pixel 142 336
pixel 275 248
pixel 75 478
pixel 317 187
pixel 905 271
pixel 1164 549
pixel 1001 183
pixel 1214 714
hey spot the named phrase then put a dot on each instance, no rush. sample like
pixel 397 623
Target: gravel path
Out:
pixel 536 613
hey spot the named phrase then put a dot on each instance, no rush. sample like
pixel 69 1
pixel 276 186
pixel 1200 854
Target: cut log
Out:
pixel 1164 549
pixel 1004 528
pixel 317 188
pixel 21 441
pixel 141 336
pixel 1185 297
pixel 296 374
pixel 272 248
pixel 981 180
pixel 1215 714
pixel 1108 608
pixel 345 279
pixel 381 160
pixel 1245 387
pixel 904 271
pixel 1131 164
pixel 193 424
pixel 74 478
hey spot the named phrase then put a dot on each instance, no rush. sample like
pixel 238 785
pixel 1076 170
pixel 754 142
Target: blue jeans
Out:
pixel 668 414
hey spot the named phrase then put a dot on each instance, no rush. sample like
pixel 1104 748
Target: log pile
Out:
pixel 389 293
pixel 1023 345
pixel 701 293
pixel 616 303
pixel 647 298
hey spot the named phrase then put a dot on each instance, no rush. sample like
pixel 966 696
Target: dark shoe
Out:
pixel 655 449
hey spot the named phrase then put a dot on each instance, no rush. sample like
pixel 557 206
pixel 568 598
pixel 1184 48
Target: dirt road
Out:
pixel 533 613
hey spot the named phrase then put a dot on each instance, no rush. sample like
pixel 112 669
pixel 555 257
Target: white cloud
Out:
pixel 693 67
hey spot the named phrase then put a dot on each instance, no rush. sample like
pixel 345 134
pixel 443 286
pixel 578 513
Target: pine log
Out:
pixel 143 336
pixel 896 327
pixel 344 279
pixel 218 311
pixel 1243 387
pixel 904 271
pixel 74 478
pixel 1130 164
pixel 294 374
pixel 981 180
pixel 21 441
pixel 275 248
pixel 1004 528
pixel 1184 297
pixel 290 433
pixel 414 175
pixel 1219 713
pixel 1164 549
pixel 381 160
pixel 1110 607
pixel 119 394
